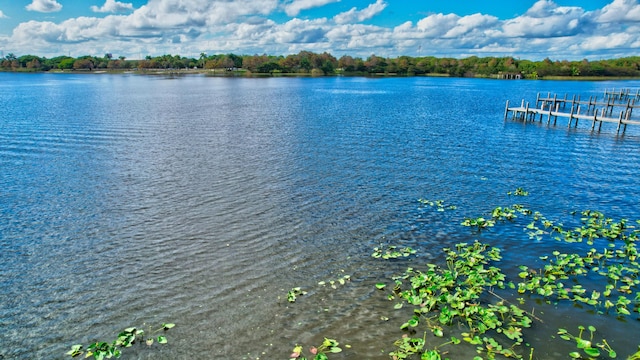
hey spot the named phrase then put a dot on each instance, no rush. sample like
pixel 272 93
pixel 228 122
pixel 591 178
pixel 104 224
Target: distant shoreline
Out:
pixel 249 74
pixel 307 63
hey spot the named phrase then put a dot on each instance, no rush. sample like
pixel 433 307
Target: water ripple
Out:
pixel 202 201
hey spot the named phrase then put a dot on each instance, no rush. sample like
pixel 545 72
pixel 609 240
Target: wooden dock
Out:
pixel 615 107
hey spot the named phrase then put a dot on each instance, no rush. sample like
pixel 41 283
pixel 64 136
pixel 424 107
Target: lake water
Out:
pixel 128 200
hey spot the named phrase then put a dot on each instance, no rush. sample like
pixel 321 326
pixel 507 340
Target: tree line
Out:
pixel 306 62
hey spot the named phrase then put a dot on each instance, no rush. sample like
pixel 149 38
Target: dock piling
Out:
pixel 597 112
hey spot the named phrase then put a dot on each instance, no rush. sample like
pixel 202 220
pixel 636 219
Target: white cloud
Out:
pixel 619 10
pixel 3 16
pixel 471 23
pixel 189 27
pixel 546 19
pixel 172 14
pixel 44 6
pixel 113 6
pixel 161 24
pixel 603 42
pixel 294 8
pixel 437 24
pixel 354 15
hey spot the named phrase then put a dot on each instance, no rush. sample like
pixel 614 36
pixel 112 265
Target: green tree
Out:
pixel 328 67
pixel 66 63
pixel 268 67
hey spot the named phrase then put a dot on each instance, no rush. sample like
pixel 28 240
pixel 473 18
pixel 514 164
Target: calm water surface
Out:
pixel 129 200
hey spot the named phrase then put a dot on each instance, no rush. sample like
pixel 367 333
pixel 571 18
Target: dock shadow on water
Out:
pixel 133 201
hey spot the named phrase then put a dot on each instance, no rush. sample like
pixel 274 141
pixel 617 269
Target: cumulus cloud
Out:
pixel 152 26
pixel 619 10
pixel 294 8
pixel 437 24
pixel 245 27
pixel 546 19
pixel 172 14
pixel 113 6
pixel 355 15
pixel 602 42
pixel 44 6
pixel 472 23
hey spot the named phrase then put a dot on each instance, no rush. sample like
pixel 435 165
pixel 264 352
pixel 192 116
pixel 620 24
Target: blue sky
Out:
pixel 559 29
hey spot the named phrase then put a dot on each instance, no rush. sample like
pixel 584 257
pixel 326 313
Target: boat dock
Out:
pixel 615 107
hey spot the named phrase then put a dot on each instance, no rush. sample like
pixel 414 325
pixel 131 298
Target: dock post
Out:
pixel 619 122
pixel 626 118
pixel 526 112
pixel 600 125
pixel 571 113
pixel 570 118
pixel 555 117
pixel 506 110
pixel 537 99
pixel 610 106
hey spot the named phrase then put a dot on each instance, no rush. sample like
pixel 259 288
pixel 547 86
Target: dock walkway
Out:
pixel 616 107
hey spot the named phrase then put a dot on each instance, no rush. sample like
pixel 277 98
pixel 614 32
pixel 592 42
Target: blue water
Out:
pixel 134 200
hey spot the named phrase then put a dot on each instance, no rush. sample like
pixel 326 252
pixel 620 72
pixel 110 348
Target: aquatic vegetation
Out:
pixel 334 283
pixel 320 353
pixel 464 302
pixel 460 302
pixel 129 336
pixel 448 299
pixel 519 192
pixel 479 222
pixel 587 345
pixel 392 252
pixel 439 204
pixel 293 294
